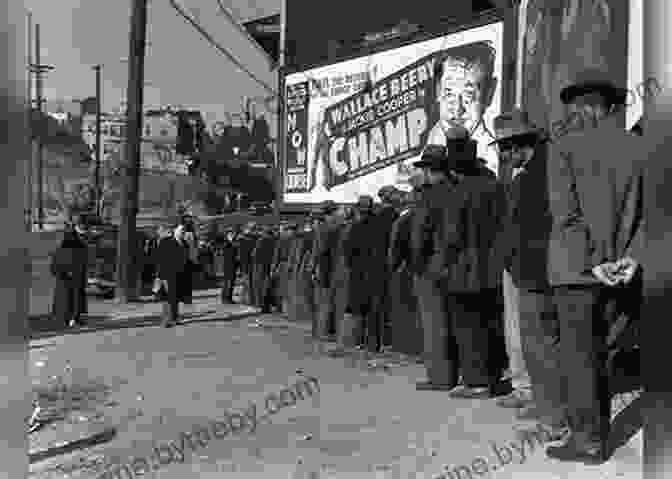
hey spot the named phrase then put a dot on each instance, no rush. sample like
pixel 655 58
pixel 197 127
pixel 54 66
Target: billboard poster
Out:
pixel 358 125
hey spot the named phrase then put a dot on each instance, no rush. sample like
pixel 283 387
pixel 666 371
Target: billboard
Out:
pixel 357 125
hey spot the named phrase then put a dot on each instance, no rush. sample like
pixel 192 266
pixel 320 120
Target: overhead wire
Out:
pixel 221 48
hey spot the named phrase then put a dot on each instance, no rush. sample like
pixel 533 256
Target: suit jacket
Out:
pixel 595 191
pixel 464 249
pixel 523 244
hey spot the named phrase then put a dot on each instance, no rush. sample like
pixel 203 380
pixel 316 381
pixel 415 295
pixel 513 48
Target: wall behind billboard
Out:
pixel 346 137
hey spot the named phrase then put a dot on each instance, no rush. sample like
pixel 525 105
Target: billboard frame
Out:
pixel 443 27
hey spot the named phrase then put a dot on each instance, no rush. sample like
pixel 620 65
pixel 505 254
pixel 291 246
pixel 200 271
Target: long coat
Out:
pixel 362 259
pixel 471 220
pixel 595 198
pixel 404 310
pixel 68 265
pixel 170 258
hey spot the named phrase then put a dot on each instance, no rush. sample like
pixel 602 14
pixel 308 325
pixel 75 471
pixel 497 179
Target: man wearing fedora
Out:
pixel 469 219
pixel 523 252
pixel 595 191
pixel 439 344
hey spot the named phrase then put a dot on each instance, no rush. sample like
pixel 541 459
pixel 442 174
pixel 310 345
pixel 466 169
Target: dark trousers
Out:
pixel 540 340
pixel 473 332
pixel 439 343
pixel 171 303
pixel 228 283
pixel 583 331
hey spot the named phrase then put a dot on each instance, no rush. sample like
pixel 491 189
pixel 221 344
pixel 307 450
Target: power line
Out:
pixel 245 33
pixel 222 49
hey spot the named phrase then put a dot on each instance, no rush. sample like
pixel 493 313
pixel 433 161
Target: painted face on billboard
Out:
pixel 463 91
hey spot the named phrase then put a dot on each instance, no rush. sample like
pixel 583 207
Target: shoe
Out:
pixel 543 433
pixel 516 399
pixel 429 386
pixel 572 451
pixel 528 413
pixel 168 324
pixel 470 392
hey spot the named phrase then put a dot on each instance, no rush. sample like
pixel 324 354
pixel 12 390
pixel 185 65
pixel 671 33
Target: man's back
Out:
pixel 594 190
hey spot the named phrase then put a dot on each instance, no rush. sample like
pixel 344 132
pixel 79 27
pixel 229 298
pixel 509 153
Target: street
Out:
pixel 365 419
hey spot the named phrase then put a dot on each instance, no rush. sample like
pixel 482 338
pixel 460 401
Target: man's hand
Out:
pixel 607 273
pixel 626 269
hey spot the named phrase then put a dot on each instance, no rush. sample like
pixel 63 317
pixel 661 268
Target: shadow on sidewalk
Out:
pixel 44 327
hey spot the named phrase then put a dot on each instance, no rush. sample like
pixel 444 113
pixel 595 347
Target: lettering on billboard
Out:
pixel 296 174
pixel 350 134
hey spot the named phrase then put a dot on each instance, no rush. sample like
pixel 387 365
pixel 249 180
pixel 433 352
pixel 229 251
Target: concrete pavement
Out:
pixel 367 420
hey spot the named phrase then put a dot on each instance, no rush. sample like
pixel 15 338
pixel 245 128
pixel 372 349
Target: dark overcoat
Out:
pixel 469 222
pixel 170 258
pixel 68 265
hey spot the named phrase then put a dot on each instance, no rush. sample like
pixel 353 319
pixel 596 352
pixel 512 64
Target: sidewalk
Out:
pixel 107 314
pixel 153 384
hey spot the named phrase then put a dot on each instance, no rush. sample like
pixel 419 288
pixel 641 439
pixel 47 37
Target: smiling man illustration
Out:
pixel 465 87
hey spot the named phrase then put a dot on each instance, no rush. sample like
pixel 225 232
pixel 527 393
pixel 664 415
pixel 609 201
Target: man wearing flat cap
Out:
pixel 595 190
pixel 523 251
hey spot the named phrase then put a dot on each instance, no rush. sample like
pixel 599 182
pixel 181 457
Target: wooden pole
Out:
pixel 126 271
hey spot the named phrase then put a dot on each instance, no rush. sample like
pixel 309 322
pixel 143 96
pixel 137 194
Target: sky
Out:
pixel 181 66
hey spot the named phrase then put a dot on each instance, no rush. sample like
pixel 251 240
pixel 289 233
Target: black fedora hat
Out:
pixel 434 157
pixel 593 80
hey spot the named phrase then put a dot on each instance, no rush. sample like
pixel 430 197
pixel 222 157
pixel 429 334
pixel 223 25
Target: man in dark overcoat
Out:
pixel 230 261
pixel 170 258
pixel 247 243
pixel 439 344
pixel 263 258
pixel 595 192
pixel 324 261
pixel 523 251
pixel 404 313
pixel 470 220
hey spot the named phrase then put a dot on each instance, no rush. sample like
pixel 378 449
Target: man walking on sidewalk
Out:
pixel 170 259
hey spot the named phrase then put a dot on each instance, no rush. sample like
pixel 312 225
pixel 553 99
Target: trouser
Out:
pixel 227 286
pixel 583 330
pixel 439 344
pixel 325 308
pixel 475 337
pixel 520 378
pixel 305 297
pixel 539 333
pixel 170 310
pixel 261 286
pixel 340 286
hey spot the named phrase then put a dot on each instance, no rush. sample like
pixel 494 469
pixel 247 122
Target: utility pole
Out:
pixel 39 70
pixel 29 97
pixel 99 148
pixel 126 271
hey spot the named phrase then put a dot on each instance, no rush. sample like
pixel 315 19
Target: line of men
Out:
pixel 562 229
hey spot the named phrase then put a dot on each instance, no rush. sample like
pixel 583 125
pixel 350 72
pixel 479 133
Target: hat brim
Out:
pixel 615 95
pixel 534 131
